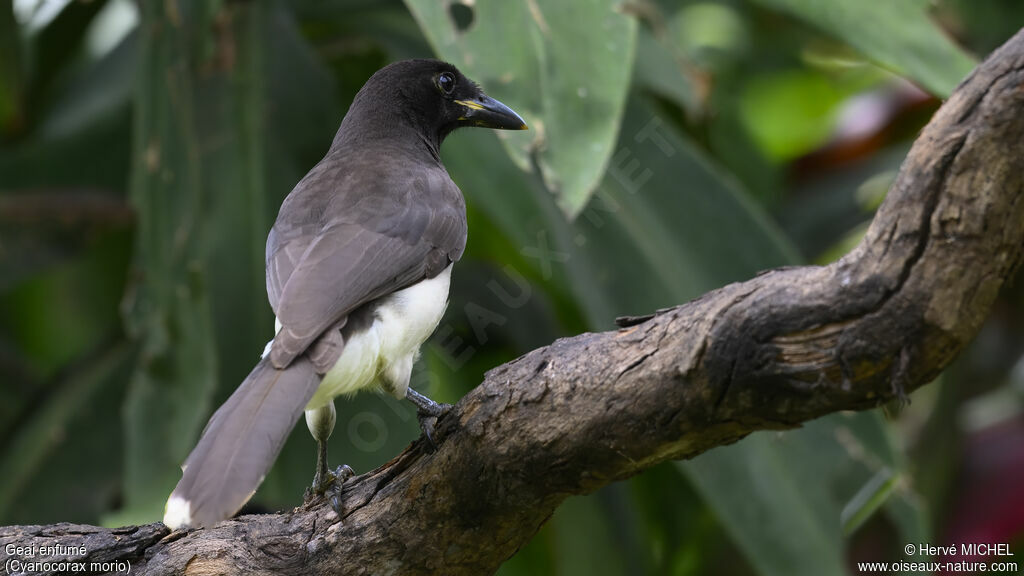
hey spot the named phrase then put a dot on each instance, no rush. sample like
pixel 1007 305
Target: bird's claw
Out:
pixel 427 412
pixel 428 419
pixel 427 428
pixel 329 485
pixel 333 492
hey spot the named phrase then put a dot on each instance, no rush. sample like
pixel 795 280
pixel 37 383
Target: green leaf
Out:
pixel 667 213
pixel 781 495
pixel 92 92
pixel 867 500
pixel 912 519
pixel 776 510
pixel 527 54
pixel 168 312
pixel 662 69
pixel 896 35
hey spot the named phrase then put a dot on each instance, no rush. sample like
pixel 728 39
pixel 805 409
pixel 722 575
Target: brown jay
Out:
pixel 358 269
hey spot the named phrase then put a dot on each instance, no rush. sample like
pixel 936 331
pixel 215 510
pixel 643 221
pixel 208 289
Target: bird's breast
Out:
pixel 382 350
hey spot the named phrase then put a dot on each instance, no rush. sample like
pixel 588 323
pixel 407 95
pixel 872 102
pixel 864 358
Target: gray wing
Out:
pixel 371 243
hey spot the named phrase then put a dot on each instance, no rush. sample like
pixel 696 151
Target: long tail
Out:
pixel 240 443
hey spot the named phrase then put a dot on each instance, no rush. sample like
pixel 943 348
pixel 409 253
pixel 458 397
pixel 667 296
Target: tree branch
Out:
pixel 788 346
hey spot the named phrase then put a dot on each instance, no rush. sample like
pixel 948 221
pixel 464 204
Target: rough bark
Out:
pixel 785 347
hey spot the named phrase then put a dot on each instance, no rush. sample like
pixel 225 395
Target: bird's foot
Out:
pixel 328 484
pixel 427 412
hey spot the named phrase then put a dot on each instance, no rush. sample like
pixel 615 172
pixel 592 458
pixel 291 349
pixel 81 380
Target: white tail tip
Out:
pixel 177 512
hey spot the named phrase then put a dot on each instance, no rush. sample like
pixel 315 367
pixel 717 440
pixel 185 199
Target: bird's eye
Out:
pixel 446 82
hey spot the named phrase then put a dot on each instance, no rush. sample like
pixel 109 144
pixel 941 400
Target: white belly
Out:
pixel 384 353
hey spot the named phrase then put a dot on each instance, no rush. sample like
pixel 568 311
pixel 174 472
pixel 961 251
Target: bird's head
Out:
pixel 433 97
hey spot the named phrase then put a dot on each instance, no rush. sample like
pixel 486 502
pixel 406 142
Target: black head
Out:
pixel 430 96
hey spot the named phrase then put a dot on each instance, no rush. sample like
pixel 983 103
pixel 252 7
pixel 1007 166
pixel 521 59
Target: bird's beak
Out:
pixel 489 113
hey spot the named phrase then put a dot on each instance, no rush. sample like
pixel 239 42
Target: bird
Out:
pixel 358 268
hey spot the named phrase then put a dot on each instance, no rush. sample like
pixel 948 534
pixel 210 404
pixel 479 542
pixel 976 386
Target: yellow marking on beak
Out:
pixel 470 104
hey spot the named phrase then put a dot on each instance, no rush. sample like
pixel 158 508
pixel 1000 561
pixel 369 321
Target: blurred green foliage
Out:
pixel 674 147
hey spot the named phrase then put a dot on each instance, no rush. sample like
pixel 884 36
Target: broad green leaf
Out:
pixel 795 486
pixel 55 43
pixel 92 93
pixel 897 35
pixel 168 312
pixel 232 126
pixel 527 54
pixel 85 131
pixel 779 517
pixel 666 213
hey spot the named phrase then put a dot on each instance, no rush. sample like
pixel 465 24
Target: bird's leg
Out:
pixel 427 412
pixel 325 482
